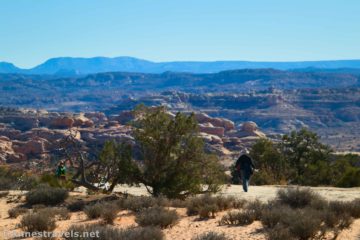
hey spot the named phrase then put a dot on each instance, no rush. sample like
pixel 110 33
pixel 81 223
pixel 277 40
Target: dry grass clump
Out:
pixel 206 205
pixel 17 211
pixel 302 214
pixel 38 222
pixel 238 218
pixel 297 197
pixel 109 212
pixel 46 195
pixel 157 216
pixel 106 232
pixel 93 211
pixel 211 236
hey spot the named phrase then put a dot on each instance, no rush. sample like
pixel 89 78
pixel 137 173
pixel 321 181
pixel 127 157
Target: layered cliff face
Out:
pixel 37 135
pixel 333 113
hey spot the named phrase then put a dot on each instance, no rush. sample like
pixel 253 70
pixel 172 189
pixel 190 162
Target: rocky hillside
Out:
pixel 99 91
pixel 27 135
pixel 334 114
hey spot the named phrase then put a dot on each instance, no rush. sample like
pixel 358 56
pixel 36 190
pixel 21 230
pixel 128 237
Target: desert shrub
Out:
pixel 5 183
pixel 272 217
pixel 37 222
pixel 211 236
pixel 53 181
pixel 239 218
pixel 224 203
pixel 15 212
pixel 109 213
pixel 4 193
pixel 143 233
pixel 109 233
pixel 256 208
pixel 239 203
pixel 136 204
pixel 354 208
pixel 297 197
pixel 76 206
pixel 178 203
pixel 279 233
pixel 349 178
pixel 196 203
pixel 94 231
pixel 336 221
pixel 14 179
pixel 157 216
pixel 94 211
pixel 46 195
pixel 207 205
pixel 38 207
pixel 303 223
pixel 61 213
pixel 208 211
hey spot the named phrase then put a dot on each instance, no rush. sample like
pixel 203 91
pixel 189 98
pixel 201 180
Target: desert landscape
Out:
pixel 189 120
pixel 187 227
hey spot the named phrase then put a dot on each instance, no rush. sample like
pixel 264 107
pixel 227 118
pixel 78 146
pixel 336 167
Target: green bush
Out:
pixel 37 222
pixel 46 195
pixel 239 218
pixel 53 181
pixel 157 216
pixel 109 233
pixel 17 211
pixel 211 236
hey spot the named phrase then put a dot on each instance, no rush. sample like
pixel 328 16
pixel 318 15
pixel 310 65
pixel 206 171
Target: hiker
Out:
pixel 245 168
pixel 61 171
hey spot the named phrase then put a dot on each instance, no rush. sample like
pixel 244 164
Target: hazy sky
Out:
pixel 32 31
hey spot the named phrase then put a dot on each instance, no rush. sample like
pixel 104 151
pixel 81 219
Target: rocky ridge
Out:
pixel 27 135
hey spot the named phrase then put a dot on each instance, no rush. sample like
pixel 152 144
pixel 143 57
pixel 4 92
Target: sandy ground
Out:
pixel 188 227
pixel 264 193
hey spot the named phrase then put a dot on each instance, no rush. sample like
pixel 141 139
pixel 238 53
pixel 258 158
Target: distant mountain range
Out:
pixel 68 66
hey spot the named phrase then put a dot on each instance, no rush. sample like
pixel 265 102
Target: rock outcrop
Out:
pixel 48 129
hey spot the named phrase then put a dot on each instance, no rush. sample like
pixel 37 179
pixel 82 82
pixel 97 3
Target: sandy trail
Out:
pixel 264 193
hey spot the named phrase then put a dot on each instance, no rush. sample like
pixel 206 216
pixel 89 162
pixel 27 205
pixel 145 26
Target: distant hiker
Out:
pixel 245 167
pixel 61 171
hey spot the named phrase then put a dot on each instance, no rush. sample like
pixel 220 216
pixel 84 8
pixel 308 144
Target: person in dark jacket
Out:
pixel 245 168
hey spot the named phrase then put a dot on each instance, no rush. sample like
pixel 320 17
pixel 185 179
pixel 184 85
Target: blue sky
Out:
pixel 32 31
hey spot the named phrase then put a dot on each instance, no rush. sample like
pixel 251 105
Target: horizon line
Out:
pixel 192 61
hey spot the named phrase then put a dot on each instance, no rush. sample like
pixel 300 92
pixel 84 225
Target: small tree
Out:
pixel 268 158
pixel 117 165
pixel 307 156
pixel 172 154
